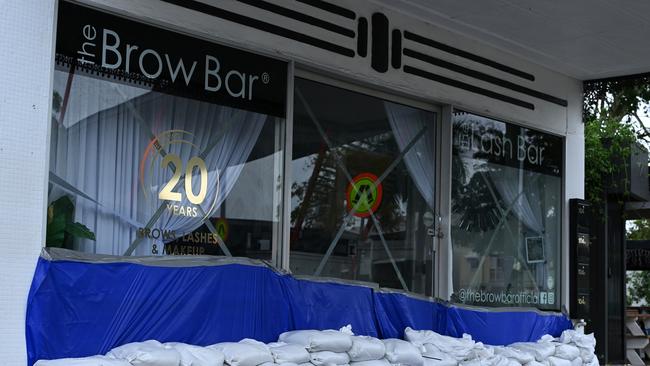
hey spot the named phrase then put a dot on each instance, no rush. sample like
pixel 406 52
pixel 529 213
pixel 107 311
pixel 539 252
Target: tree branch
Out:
pixel 643 126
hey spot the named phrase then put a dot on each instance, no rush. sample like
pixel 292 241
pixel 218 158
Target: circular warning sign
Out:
pixel 364 194
pixel 222 228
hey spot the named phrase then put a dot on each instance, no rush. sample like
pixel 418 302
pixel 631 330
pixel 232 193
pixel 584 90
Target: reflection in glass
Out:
pixel 151 173
pixel 506 205
pixel 363 179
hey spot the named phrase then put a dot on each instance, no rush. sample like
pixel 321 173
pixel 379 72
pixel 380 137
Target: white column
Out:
pixel 574 173
pixel 26 64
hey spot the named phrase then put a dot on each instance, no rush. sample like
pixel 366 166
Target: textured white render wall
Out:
pixel 26 62
pixel 574 186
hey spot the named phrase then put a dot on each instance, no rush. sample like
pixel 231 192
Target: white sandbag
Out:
pixel 515 354
pixel 366 349
pixel 540 350
pixel 148 353
pixel 547 338
pixel 457 352
pixel 587 354
pixel 282 364
pixel 536 363
pixel 85 361
pixel 196 356
pixel 254 342
pixel 440 362
pixel 402 352
pixel 318 340
pixel 594 362
pixel 276 344
pixel 458 348
pixel 381 362
pixel 293 353
pixel 492 361
pixel 329 357
pixel 567 336
pixel 479 350
pixel 421 337
pixel 578 338
pixel 306 364
pixel 432 351
pixel 566 351
pixel 576 362
pixel 556 361
pixel 243 354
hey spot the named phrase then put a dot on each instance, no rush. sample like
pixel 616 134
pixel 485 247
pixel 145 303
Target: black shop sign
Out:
pixel 477 137
pixel 105 45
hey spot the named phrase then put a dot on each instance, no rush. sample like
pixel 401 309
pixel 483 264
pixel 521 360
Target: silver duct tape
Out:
pixel 60 254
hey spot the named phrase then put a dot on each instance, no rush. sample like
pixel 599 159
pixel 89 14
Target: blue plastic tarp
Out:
pixel 79 308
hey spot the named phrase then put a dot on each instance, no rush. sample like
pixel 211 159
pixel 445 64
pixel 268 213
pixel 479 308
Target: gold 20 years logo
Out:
pixel 174 167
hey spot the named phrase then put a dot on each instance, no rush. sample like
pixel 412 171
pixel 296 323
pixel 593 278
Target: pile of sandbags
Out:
pixel 322 346
pixel 343 348
pixel 572 348
pixel 443 350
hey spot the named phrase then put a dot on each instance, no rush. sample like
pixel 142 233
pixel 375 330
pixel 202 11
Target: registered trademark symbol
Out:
pixel 266 78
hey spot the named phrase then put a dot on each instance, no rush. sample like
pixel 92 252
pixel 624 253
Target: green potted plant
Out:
pixel 61 229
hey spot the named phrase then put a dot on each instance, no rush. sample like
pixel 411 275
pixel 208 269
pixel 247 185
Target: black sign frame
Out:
pixel 504 143
pixel 580 254
pixel 113 47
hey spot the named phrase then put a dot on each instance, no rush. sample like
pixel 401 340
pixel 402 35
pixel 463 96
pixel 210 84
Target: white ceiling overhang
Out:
pixel 583 39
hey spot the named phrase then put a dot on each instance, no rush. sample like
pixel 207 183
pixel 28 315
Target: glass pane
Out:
pixel 363 188
pixel 506 214
pixel 147 173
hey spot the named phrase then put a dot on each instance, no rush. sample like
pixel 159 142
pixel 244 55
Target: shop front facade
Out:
pixel 340 139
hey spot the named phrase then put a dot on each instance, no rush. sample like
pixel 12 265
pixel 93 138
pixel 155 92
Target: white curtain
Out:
pixel 406 123
pixel 98 149
pixel 526 206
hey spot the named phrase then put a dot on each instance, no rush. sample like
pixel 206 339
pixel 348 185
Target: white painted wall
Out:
pixel 574 176
pixel 26 61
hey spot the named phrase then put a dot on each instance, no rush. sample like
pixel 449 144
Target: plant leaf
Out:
pixel 55 233
pixel 79 230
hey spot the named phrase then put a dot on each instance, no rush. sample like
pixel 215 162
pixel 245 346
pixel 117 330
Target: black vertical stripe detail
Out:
pixel 379 48
pixel 396 56
pixel 470 56
pixel 362 37
pixel 261 4
pixel 261 25
pixel 471 88
pixel 331 8
pixel 484 77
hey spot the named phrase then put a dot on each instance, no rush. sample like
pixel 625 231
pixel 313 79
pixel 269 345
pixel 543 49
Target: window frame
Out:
pixel 304 72
pixel 563 282
pixel 157 20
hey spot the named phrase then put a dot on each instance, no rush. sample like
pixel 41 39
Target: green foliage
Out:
pixel 639 231
pixel 61 230
pixel 638 282
pixel 612 115
pixel 638 287
pixel 607 147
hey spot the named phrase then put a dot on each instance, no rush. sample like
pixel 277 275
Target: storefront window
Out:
pixel 363 188
pixel 506 214
pixel 162 144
